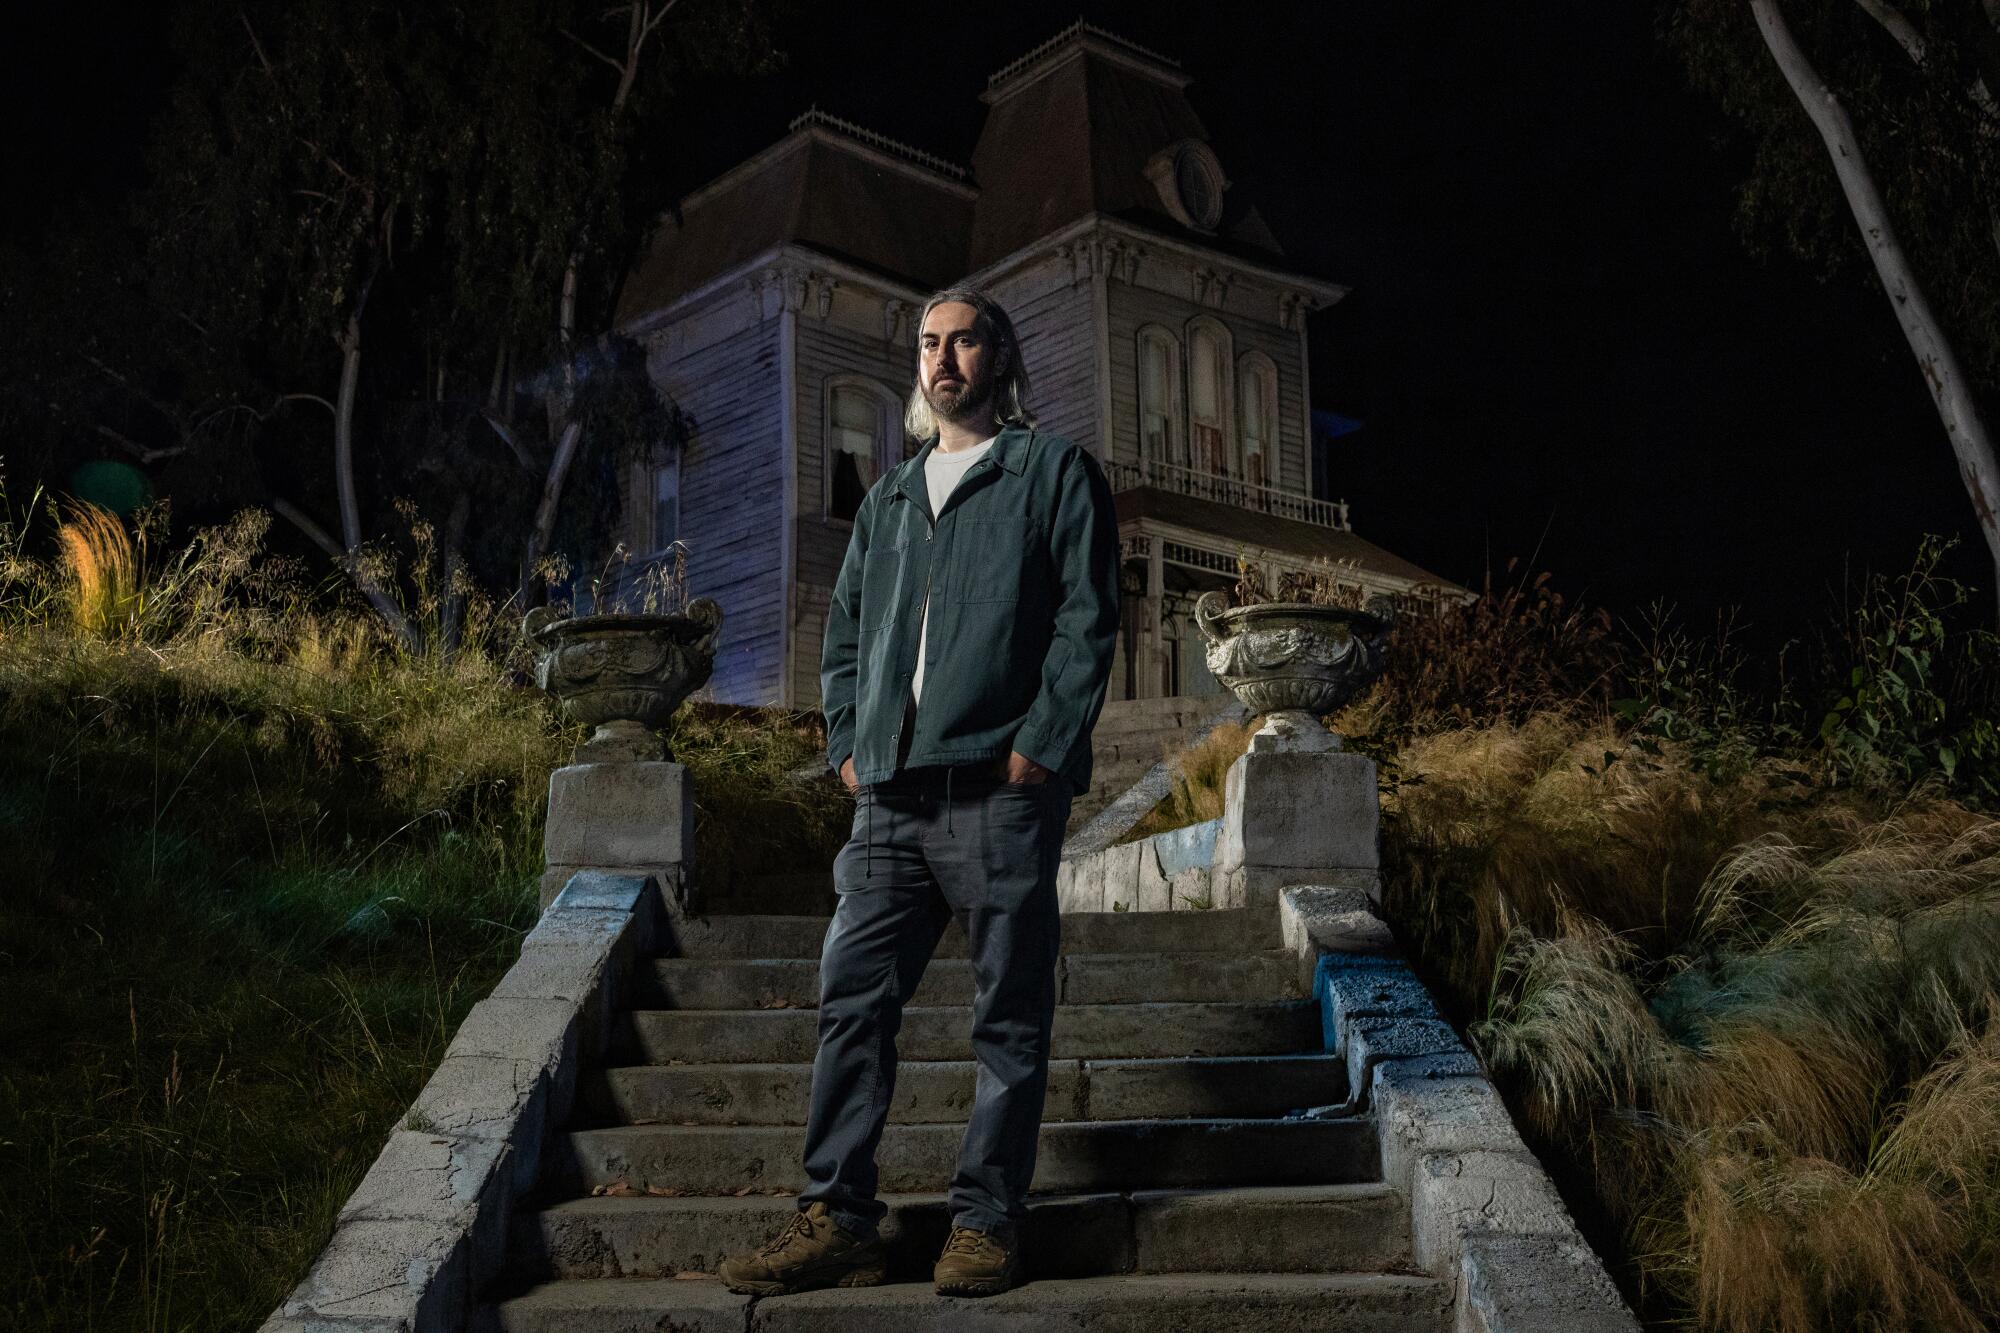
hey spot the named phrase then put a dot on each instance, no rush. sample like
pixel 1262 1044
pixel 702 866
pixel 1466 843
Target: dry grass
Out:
pixel 1738 987
pixel 1751 1017
pixel 101 562
pixel 1197 775
pixel 259 861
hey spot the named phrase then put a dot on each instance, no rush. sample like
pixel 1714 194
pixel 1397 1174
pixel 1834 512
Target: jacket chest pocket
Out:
pixel 882 581
pixel 996 559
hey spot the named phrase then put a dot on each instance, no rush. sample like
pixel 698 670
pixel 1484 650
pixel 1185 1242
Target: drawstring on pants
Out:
pixel 867 797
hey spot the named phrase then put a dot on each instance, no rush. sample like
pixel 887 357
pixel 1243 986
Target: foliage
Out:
pixel 1916 701
pixel 372 216
pixel 1724 926
pixel 1765 1033
pixel 261 860
pixel 1929 130
pixel 1506 655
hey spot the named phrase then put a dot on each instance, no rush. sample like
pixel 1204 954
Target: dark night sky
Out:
pixel 1555 340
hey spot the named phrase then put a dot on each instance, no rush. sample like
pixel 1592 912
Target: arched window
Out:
pixel 1257 417
pixel 1209 364
pixel 1160 435
pixel 859 417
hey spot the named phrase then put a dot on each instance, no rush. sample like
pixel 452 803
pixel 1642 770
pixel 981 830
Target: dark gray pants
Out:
pixel 927 846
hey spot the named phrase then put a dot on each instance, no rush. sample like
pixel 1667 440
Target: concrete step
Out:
pixel 1137 1303
pixel 1225 930
pixel 1280 1229
pixel 940 1091
pixel 1099 978
pixel 1082 1032
pixel 1075 1156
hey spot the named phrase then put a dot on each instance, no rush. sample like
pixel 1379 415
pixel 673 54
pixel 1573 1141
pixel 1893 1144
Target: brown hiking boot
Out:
pixel 812 1251
pixel 975 1264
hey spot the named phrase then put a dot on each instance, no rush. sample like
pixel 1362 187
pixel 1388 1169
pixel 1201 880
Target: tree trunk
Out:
pixel 349 556
pixel 642 19
pixel 1950 391
pixel 343 432
pixel 545 512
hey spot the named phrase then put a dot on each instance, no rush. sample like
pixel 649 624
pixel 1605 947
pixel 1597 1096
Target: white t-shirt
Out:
pixel 942 473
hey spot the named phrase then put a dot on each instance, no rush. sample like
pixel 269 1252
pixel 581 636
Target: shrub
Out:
pixel 1727 930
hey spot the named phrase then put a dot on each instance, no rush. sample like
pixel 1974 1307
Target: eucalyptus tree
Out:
pixel 1877 137
pixel 383 241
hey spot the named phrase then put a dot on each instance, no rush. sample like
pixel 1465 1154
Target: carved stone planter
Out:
pixel 1292 662
pixel 624 674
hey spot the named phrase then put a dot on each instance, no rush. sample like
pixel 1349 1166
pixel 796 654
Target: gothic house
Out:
pixel 1161 325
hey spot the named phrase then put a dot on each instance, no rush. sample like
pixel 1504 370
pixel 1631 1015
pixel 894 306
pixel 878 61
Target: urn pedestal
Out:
pixel 623 805
pixel 1297 808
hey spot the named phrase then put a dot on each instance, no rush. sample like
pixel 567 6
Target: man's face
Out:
pixel 956 365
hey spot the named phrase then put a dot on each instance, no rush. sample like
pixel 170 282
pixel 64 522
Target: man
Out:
pixel 967 648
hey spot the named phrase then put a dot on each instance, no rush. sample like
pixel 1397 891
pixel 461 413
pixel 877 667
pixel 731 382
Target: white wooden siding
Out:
pixel 731 500
pixel 1059 346
pixel 827 349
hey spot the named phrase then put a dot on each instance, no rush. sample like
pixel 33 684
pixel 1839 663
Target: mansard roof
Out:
pixel 1071 129
pixel 832 186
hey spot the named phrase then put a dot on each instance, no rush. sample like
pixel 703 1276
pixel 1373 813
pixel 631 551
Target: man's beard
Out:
pixel 961 406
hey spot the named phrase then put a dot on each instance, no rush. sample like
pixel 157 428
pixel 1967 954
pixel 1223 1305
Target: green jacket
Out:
pixel 1021 569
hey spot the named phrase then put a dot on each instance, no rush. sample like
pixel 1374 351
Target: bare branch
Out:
pixel 499 377
pixel 168 410
pixel 229 410
pixel 1913 44
pixel 350 562
pixel 1898 27
pixel 545 510
pixel 319 536
pixel 144 453
pixel 506 433
pixel 339 170
pixel 657 19
pixel 302 398
pixel 593 50
pixel 258 47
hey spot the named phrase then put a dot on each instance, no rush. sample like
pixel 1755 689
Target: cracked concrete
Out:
pixel 427 1227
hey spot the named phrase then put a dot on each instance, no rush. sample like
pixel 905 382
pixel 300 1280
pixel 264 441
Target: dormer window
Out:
pixel 1190 182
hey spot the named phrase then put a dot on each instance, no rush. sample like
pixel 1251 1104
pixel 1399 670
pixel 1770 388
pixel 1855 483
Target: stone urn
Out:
pixel 624 674
pixel 1292 662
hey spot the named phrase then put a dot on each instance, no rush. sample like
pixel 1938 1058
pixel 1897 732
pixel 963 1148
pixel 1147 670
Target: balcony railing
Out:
pixel 1231 491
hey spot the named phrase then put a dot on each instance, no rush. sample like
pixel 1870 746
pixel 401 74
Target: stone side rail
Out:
pixel 1168 871
pixel 1482 1208
pixel 426 1230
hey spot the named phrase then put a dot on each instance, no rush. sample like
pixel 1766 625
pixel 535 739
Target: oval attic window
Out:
pixel 1199 186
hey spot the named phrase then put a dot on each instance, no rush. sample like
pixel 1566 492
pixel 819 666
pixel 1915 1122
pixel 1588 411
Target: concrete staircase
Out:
pixel 1134 734
pixel 1171 1191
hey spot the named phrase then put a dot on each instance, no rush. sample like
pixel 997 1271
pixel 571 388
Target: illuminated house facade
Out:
pixel 1161 327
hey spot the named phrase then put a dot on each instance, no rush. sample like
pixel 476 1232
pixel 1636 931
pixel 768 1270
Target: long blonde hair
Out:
pixel 1010 394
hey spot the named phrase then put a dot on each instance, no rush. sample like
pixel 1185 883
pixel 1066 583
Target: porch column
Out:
pixel 1154 653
